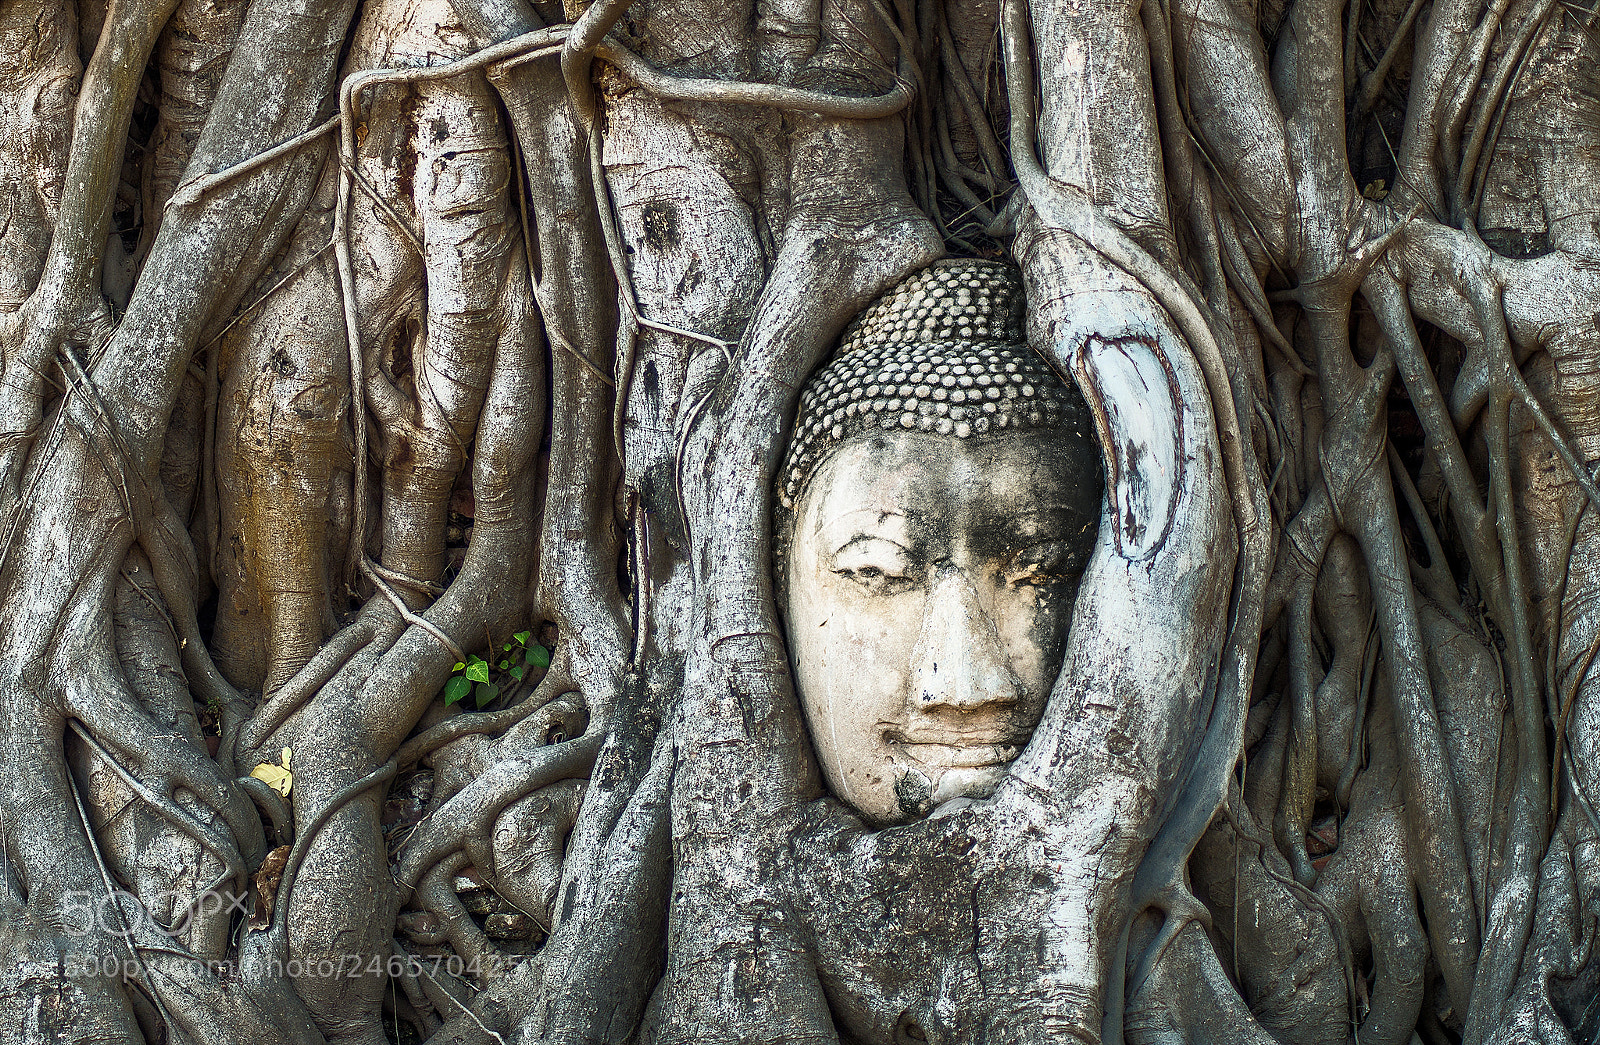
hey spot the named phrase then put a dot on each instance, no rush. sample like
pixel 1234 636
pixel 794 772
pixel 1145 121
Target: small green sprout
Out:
pixel 473 675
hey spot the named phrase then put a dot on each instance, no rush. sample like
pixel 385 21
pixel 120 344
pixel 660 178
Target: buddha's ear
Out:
pixel 1134 396
pixel 1100 329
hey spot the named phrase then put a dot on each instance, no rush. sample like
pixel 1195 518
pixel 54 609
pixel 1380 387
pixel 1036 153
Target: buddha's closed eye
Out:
pixel 1046 562
pixel 877 564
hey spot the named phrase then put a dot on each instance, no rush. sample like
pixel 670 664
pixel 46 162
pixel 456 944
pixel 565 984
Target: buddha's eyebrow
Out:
pixel 1043 515
pixel 881 513
pixel 830 526
pixel 861 538
pixel 874 522
pixel 1050 521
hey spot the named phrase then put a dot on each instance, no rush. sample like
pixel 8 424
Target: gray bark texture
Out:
pixel 392 396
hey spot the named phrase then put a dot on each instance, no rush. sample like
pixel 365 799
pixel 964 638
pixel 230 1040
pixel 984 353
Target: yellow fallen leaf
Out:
pixel 276 777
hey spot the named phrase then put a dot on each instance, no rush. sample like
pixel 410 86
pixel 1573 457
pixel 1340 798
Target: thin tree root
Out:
pixel 474 809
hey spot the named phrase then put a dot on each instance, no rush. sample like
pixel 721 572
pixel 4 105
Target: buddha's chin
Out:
pixel 968 782
pixel 921 790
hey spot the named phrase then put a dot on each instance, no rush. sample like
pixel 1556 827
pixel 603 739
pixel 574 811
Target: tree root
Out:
pixel 471 814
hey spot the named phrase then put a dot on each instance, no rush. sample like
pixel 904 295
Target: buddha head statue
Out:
pixel 937 504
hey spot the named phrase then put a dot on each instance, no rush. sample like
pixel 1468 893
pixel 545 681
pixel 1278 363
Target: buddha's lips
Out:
pixel 965 754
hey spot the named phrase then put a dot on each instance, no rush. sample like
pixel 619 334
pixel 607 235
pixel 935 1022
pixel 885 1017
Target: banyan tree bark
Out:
pixel 393 397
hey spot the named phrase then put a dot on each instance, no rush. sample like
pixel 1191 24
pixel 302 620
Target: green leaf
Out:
pixel 517 671
pixel 538 656
pixel 506 648
pixel 487 691
pixel 522 637
pixel 477 670
pixel 503 665
pixel 458 666
pixel 456 688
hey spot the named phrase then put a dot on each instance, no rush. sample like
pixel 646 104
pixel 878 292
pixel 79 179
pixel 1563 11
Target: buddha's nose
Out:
pixel 959 661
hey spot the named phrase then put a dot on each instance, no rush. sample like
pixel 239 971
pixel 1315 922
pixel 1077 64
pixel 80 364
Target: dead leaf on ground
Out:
pixel 266 887
pixel 276 777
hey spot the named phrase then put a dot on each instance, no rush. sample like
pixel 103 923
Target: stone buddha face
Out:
pixel 932 561
pixel 931 583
